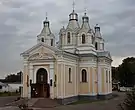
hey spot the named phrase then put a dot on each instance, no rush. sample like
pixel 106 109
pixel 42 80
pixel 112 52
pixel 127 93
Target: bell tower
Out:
pixel 46 36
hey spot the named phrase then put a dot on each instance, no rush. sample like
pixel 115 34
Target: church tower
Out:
pixel 85 37
pixel 99 41
pixel 46 36
pixel 68 36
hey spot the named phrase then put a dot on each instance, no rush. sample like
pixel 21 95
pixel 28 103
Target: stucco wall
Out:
pixel 70 87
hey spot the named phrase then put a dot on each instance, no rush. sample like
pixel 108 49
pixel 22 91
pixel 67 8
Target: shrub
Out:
pixel 129 102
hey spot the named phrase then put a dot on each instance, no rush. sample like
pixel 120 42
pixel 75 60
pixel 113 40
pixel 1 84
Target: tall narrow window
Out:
pixel 68 37
pixel 109 77
pixel 92 39
pixel 96 46
pixel 83 39
pixel 84 75
pixel 69 75
pixel 51 42
pixel 42 39
pixel 103 46
pixel 106 76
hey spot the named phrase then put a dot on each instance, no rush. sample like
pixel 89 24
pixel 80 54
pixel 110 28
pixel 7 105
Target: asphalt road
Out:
pixel 6 100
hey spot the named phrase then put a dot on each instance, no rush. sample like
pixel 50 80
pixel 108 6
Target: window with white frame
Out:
pixel 84 75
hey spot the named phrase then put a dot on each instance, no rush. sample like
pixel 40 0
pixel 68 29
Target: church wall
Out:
pixel 84 89
pixel 105 79
pixel 59 81
pixel 108 82
pixel 95 80
pixel 91 80
pixel 84 86
pixel 91 66
pixel 70 87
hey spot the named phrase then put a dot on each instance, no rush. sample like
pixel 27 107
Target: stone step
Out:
pixel 45 103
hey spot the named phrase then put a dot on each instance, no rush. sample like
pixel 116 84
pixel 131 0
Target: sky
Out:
pixel 21 22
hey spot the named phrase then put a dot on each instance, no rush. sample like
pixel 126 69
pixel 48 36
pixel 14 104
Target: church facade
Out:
pixel 77 67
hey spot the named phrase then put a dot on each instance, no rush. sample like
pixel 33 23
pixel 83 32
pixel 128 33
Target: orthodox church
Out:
pixel 78 67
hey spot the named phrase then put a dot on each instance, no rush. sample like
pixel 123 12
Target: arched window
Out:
pixel 96 46
pixel 69 75
pixel 51 42
pixel 42 39
pixel 68 37
pixel 83 39
pixel 84 75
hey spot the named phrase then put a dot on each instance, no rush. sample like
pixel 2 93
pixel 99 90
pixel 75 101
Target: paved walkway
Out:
pixel 45 103
pixel 101 105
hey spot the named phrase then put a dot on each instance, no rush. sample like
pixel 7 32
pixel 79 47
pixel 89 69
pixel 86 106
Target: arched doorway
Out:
pixel 41 88
pixel 42 76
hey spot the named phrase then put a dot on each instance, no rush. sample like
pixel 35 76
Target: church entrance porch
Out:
pixel 41 88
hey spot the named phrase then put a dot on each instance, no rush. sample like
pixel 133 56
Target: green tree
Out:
pixel 126 72
pixel 13 77
pixel 115 75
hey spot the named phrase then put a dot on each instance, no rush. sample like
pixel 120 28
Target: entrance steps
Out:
pixel 32 101
pixel 45 103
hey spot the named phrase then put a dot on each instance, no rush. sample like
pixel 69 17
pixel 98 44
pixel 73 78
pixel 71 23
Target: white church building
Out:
pixel 79 67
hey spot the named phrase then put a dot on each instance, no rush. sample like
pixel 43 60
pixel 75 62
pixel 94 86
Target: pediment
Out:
pixel 40 51
pixel 40 56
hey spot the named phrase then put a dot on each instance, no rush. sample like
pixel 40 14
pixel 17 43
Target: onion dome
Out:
pixel 73 16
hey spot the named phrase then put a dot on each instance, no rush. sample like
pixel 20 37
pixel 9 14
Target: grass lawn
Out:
pixel 85 101
pixel 4 94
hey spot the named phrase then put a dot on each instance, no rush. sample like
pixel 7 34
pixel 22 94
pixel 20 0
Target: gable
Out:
pixel 40 51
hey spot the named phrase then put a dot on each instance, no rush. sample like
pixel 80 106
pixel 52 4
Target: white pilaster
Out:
pixel 93 80
pixel 64 75
pixel 88 75
pixel 108 83
pixel 74 79
pixel 51 77
pixel 61 72
pixel 35 75
pixel 78 77
pixel 30 78
pixel 25 88
pixel 110 80
pixel 99 79
pixel 105 81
